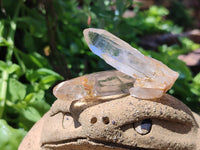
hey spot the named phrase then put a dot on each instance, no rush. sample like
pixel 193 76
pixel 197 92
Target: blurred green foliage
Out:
pixel 37 37
pixel 179 14
pixel 9 136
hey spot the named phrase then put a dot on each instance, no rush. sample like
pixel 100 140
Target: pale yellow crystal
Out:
pixel 93 87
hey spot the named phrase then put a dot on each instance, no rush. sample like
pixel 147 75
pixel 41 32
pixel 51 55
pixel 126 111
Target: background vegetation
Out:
pixel 41 42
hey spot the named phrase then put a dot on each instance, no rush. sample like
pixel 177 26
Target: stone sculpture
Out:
pixel 125 109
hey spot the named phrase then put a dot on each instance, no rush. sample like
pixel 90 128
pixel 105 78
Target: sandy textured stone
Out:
pixel 110 125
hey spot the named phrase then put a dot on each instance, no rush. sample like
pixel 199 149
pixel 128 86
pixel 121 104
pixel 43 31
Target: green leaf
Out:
pixel 32 75
pixel 30 113
pixel 32 97
pixel 47 78
pixel 38 59
pixel 8 68
pixel 45 71
pixel 16 90
pixel 3 42
pixel 1 28
pixel 47 81
pixel 35 24
pixel 44 76
pixel 13 68
pixel 41 105
pixel 35 107
pixel 10 138
pixel 195 86
pixel 158 11
pixel 29 43
pixel 197 78
pixel 33 60
pixel 3 65
pixel 188 44
pixel 29 97
pixel 40 95
pixel 195 89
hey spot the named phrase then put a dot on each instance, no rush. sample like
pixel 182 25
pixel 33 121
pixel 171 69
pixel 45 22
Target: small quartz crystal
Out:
pixel 152 78
pixel 94 87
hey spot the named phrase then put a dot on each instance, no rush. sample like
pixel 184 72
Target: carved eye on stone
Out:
pixel 143 127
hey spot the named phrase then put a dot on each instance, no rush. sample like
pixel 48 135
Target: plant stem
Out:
pixel 3 92
pixel 21 63
pixel 10 50
pixel 57 60
pixel 10 40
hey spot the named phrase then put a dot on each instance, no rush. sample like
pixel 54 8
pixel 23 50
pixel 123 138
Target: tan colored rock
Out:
pixel 192 58
pixel 112 125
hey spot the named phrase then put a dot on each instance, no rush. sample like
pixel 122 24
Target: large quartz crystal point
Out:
pixel 153 78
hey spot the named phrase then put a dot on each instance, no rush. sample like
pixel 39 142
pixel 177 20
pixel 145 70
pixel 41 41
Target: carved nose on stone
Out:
pixel 70 123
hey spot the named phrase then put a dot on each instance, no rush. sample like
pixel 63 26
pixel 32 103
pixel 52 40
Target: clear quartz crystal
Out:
pixel 152 78
pixel 93 87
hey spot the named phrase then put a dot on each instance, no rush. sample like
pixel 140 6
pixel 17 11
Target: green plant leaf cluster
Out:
pixel 9 136
pixel 22 96
pixel 25 75
pixel 195 86
pixel 151 21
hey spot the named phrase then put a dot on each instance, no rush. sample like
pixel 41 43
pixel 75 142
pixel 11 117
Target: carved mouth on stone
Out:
pixel 84 143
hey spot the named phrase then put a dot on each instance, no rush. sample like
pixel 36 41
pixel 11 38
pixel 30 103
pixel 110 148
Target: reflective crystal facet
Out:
pixel 94 86
pixel 153 78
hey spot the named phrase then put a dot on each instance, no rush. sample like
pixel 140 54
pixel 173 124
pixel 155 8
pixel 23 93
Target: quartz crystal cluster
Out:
pixel 152 78
pixel 141 76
